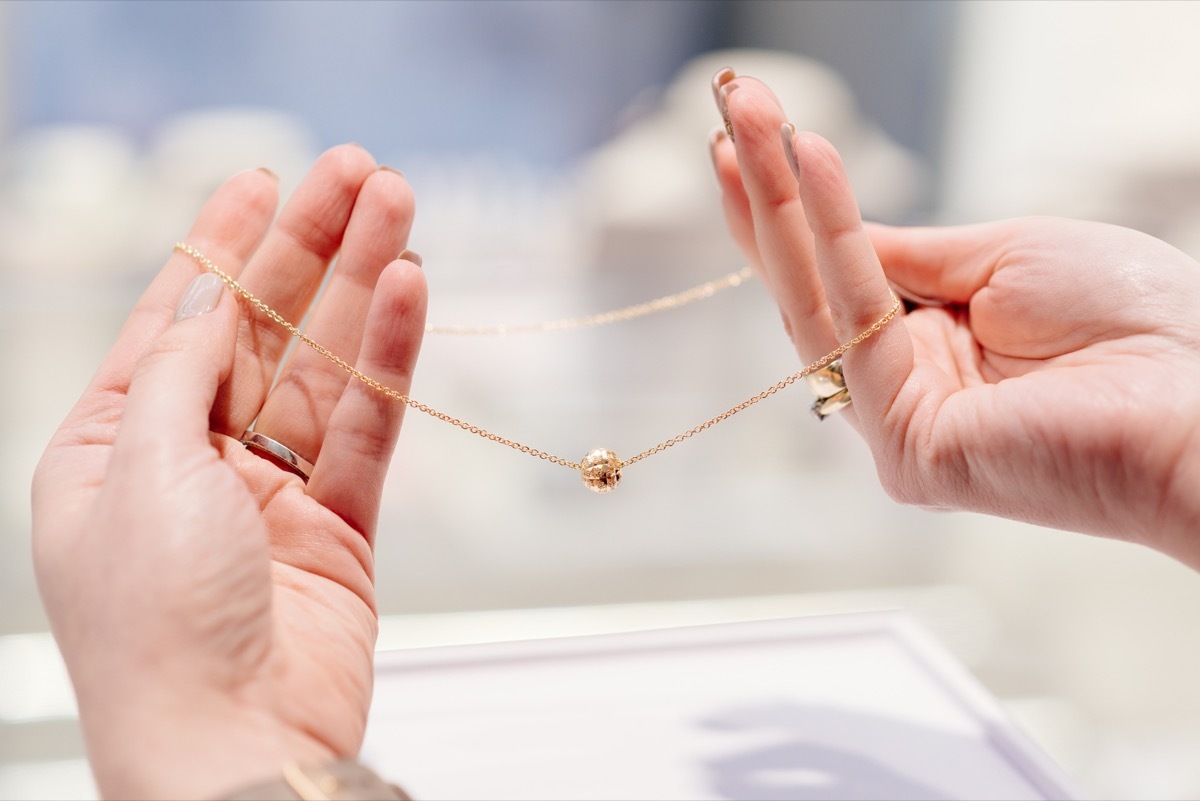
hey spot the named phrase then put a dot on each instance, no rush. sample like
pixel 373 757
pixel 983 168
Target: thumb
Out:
pixel 175 382
pixel 942 264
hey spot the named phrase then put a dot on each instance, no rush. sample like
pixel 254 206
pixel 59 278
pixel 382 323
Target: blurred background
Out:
pixel 558 153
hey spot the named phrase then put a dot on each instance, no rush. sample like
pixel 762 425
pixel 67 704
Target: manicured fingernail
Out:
pixel 200 297
pixel 788 131
pixel 721 90
pixel 723 76
pixel 269 173
pixel 411 255
pixel 386 168
pixel 715 138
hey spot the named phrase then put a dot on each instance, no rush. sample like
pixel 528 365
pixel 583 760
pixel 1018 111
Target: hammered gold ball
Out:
pixel 601 470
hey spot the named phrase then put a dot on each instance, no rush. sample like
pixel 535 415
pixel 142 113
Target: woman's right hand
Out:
pixel 1058 384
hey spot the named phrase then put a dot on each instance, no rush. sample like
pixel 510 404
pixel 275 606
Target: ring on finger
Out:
pixel 277 452
pixel 829 385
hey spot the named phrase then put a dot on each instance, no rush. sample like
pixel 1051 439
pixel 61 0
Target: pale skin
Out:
pixel 217 614
pixel 1060 384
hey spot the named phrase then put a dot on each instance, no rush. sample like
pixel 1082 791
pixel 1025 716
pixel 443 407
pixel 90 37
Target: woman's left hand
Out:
pixel 216 613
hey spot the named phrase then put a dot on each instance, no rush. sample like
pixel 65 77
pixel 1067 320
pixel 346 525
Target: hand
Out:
pixel 1060 382
pixel 217 614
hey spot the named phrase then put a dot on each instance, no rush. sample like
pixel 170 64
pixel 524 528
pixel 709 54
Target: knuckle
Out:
pixel 319 387
pixel 161 353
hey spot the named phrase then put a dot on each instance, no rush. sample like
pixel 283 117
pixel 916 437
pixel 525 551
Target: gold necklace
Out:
pixel 679 299
pixel 600 468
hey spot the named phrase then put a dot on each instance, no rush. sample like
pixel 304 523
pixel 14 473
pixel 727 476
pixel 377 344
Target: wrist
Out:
pixel 344 780
pixel 1180 519
pixel 191 750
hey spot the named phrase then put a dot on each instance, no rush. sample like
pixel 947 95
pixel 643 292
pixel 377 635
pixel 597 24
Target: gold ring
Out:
pixel 278 453
pixel 829 385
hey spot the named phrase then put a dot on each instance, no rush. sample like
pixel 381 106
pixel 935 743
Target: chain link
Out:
pixel 824 361
pixel 701 292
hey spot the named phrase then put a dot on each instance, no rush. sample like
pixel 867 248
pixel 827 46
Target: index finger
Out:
pixel 229 227
pixel 780 230
pixel 856 288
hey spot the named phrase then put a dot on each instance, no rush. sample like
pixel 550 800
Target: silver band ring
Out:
pixel 912 297
pixel 279 453
pixel 829 385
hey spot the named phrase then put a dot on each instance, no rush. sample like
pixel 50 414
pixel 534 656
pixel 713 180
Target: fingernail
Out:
pixel 269 173
pixel 411 255
pixel 721 90
pixel 201 296
pixel 788 132
pixel 715 137
pixel 723 76
pixel 386 168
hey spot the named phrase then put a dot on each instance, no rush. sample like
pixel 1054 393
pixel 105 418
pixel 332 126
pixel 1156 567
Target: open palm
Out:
pixel 1055 372
pixel 216 612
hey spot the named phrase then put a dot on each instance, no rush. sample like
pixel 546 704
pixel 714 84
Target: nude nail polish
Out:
pixel 787 132
pixel 723 76
pixel 715 137
pixel 201 296
pixel 721 88
pixel 413 256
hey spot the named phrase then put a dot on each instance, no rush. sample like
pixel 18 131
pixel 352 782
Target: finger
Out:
pixel 348 478
pixel 309 386
pixel 229 227
pixel 780 226
pixel 164 426
pixel 231 222
pixel 947 264
pixel 733 197
pixel 285 273
pixel 855 286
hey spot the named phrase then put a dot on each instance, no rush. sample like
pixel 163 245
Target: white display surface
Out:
pixel 836 707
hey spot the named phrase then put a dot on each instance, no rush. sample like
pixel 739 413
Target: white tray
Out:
pixel 836 707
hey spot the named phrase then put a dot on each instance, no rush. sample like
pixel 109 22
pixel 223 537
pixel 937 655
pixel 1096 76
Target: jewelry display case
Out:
pixel 837 706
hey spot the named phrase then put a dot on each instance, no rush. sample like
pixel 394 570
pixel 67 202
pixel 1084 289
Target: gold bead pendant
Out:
pixel 601 470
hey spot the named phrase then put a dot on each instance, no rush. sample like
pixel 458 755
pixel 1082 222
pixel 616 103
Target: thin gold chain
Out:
pixel 701 292
pixel 349 368
pixel 824 361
